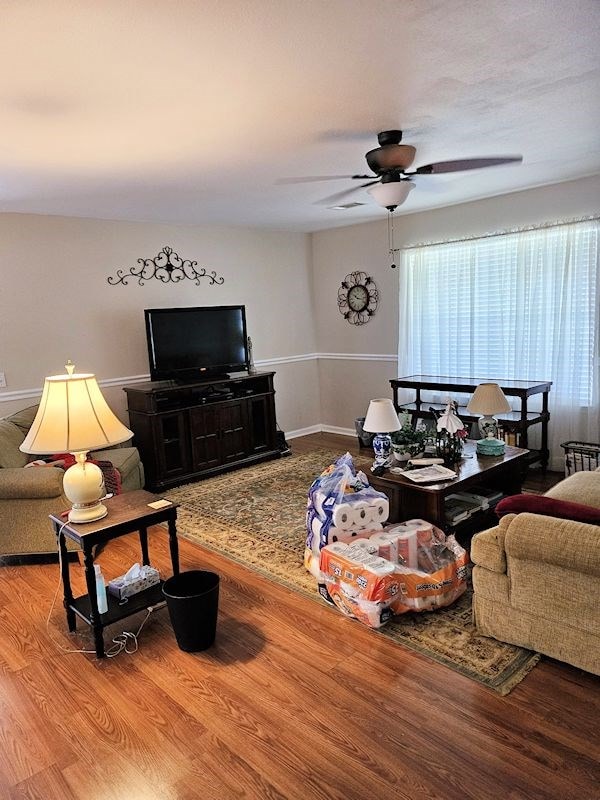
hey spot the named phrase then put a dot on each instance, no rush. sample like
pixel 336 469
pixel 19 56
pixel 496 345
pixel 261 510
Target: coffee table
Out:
pixel 409 500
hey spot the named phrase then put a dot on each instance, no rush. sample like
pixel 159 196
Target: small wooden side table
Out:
pixel 127 513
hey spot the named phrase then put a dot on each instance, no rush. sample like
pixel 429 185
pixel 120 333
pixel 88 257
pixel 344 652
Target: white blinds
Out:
pixel 523 306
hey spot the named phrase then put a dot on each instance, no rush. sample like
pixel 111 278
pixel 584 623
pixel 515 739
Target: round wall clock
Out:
pixel 358 298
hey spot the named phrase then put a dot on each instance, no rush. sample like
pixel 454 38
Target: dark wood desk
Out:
pixel 410 500
pixel 127 513
pixel 517 422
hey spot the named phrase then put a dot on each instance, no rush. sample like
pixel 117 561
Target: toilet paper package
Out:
pixel 431 569
pixel 374 579
pixel 341 506
pixel 358 582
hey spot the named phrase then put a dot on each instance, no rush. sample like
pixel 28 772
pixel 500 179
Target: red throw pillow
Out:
pixel 538 504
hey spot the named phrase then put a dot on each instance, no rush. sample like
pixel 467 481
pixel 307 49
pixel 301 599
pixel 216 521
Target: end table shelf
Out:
pixel 117 609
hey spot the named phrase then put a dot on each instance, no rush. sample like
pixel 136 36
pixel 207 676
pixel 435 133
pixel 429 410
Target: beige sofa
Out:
pixel 536 579
pixel 28 496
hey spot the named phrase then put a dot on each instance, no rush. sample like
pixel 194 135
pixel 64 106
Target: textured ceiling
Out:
pixel 192 111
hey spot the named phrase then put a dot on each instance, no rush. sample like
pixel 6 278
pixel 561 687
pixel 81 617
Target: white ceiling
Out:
pixel 191 111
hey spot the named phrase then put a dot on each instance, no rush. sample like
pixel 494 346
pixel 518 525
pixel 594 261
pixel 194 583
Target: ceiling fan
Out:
pixel 392 180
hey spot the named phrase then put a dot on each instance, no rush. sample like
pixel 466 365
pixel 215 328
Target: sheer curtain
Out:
pixel 521 305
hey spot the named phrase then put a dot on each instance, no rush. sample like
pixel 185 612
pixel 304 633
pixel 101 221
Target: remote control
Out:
pixel 425 462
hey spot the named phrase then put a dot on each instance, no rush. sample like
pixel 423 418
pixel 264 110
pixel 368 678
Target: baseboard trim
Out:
pixel 23 559
pixel 339 431
pixel 303 432
pixel 320 429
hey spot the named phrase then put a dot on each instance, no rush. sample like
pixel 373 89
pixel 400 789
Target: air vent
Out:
pixel 343 208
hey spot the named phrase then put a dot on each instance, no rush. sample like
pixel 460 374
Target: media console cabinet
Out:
pixel 195 430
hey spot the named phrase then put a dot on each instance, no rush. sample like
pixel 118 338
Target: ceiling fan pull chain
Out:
pixel 391 247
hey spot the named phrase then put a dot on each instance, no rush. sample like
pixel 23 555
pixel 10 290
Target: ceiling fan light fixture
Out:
pixel 390 195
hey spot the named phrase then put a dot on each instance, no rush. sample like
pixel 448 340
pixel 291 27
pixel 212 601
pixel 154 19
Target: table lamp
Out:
pixel 381 420
pixel 73 417
pixel 488 399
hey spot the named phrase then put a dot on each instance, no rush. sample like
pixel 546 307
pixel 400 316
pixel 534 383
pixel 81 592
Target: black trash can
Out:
pixel 193 602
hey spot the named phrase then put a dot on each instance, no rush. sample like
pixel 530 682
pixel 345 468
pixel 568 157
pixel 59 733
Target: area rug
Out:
pixel 255 516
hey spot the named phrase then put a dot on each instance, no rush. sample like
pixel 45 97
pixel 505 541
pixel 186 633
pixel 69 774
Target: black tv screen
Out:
pixel 193 343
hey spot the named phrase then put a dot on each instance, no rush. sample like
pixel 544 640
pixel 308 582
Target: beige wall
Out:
pixel 56 303
pixel 347 385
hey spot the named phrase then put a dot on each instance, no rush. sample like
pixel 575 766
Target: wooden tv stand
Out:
pixel 195 430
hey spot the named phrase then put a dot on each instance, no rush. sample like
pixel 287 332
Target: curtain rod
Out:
pixel 507 232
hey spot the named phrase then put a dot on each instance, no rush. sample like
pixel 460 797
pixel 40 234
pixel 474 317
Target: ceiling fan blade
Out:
pixel 314 178
pixel 425 182
pixel 334 198
pixel 460 165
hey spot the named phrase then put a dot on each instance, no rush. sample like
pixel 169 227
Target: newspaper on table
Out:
pixel 430 474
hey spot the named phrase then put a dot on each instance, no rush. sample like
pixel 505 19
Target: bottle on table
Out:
pixel 100 590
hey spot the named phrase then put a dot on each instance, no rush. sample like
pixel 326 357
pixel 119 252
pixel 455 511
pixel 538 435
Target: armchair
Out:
pixel 28 496
pixel 536 579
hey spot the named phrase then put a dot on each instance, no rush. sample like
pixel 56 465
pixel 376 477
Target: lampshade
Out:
pixel 73 417
pixel 392 194
pixel 381 417
pixel 488 399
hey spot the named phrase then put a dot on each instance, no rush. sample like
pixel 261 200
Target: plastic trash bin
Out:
pixel 193 603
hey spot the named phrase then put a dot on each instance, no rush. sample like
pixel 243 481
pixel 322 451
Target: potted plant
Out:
pixel 408 442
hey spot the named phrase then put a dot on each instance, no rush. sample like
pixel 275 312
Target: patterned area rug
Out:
pixel 255 516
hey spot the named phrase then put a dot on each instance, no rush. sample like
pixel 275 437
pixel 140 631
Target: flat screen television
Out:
pixel 186 344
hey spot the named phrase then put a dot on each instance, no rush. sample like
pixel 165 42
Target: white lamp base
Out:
pixel 83 484
pixel 87 513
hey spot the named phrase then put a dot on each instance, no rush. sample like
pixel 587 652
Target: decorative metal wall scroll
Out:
pixel 167 267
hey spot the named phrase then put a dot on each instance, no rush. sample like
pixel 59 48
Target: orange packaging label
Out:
pixel 442 581
pixel 368 584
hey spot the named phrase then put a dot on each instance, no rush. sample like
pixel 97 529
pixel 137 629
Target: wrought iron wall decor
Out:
pixel 167 267
pixel 358 298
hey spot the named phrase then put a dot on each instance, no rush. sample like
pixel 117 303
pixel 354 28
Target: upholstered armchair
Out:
pixel 536 578
pixel 28 496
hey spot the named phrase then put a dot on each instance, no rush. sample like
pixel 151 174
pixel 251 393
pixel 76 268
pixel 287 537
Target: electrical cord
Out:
pixel 125 641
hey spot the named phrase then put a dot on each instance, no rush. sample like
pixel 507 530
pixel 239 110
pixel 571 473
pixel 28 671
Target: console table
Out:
pixel 515 422
pixel 194 430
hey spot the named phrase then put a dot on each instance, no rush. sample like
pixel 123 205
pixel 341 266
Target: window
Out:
pixel 521 305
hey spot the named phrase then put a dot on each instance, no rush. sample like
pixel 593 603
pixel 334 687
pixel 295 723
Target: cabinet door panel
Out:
pixel 204 427
pixel 171 444
pixel 232 426
pixel 261 423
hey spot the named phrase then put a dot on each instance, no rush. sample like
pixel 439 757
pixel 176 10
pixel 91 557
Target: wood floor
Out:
pixel 293 701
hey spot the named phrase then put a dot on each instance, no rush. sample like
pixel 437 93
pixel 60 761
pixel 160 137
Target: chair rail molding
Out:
pixel 358 357
pixel 128 380
pixel 29 394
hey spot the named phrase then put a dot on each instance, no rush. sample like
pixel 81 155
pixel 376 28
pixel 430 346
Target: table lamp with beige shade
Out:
pixel 73 417
pixel 488 399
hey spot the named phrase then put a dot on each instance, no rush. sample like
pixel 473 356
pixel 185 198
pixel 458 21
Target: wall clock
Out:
pixel 358 298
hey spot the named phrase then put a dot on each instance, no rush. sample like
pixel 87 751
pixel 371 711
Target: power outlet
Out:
pixel 2 380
